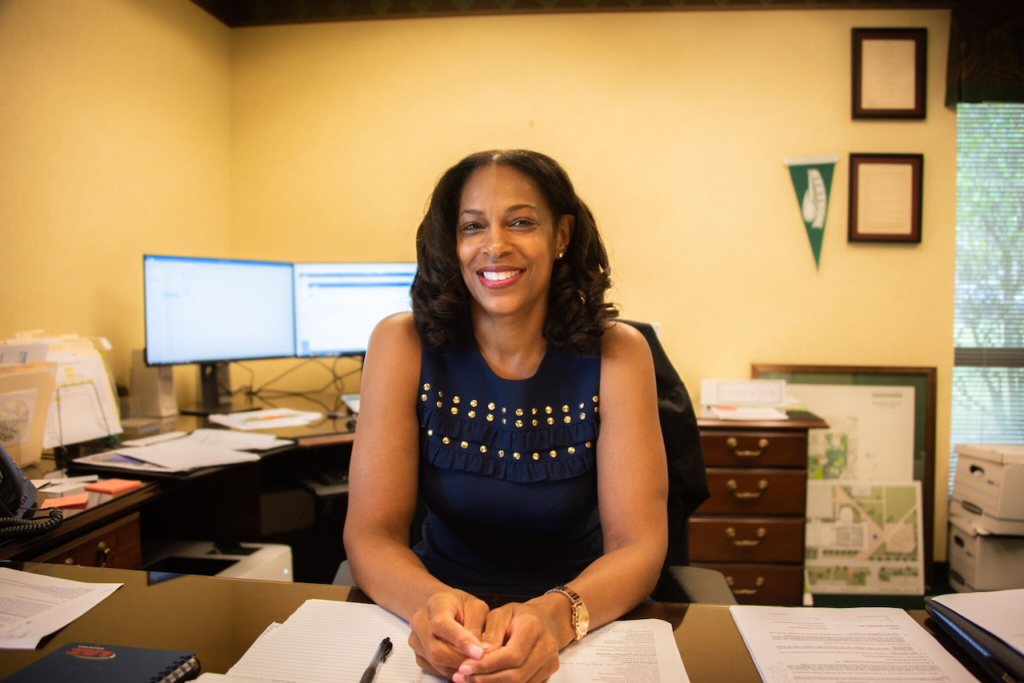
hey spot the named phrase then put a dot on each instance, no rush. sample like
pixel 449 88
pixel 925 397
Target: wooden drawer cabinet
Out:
pixel 752 527
pixel 747 540
pixel 117 545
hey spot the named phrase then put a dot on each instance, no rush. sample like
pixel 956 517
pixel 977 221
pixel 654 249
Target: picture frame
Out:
pixel 886 192
pixel 925 383
pixel 889 73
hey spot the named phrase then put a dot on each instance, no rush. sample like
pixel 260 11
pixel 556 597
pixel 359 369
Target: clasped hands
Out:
pixel 457 636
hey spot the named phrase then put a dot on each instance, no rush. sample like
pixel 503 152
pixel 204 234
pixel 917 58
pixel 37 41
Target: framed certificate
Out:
pixel 889 73
pixel 885 197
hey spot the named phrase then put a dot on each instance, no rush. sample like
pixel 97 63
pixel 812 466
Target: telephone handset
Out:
pixel 17 495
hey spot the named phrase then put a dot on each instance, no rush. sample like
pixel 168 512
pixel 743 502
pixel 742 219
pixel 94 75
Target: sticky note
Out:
pixel 114 485
pixel 79 500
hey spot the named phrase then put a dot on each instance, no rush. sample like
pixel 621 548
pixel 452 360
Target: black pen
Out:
pixel 381 655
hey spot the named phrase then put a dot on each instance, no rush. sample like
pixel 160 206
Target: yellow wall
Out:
pixel 672 125
pixel 114 142
pixel 133 126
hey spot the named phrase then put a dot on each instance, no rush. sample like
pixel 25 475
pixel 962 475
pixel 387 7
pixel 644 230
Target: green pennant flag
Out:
pixel 812 180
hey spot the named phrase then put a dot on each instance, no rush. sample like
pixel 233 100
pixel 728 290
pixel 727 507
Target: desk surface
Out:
pixel 220 618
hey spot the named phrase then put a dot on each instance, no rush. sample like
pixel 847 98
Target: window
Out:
pixel 988 327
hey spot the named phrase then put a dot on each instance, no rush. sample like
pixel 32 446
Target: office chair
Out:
pixel 687 489
pixel 687 485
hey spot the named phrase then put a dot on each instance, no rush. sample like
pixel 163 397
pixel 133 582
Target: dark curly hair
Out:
pixel 577 312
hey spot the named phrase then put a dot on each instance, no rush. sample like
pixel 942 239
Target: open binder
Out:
pixel 1000 660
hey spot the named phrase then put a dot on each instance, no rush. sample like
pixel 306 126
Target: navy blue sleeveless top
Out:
pixel 507 470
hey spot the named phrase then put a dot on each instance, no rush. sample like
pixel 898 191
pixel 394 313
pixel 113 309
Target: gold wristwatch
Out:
pixel 580 614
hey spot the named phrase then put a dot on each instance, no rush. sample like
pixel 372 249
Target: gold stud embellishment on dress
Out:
pixel 455 411
pixel 516 456
pixel 567 419
pixel 519 411
pixel 519 423
pixel 440 403
pixel 536 456
pixel 483 448
pixel 533 411
pixel 472 403
pixel 583 416
pixel 565 409
pixel 502 410
pixel 490 417
pixel 581 406
pixel 572 449
pixel 426 387
pixel 547 409
pixel 551 420
pixel 455 399
pixel 430 432
pixel 490 406
pixel 501 454
pixel 423 397
pixel 588 444
pixel 464 444
pixel 535 423
pixel 504 421
pixel 446 440
pixel 597 409
pixel 595 399
pixel 472 413
pixel 440 394
pixel 553 454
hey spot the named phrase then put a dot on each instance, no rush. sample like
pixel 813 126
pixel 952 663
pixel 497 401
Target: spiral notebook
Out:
pixel 89 663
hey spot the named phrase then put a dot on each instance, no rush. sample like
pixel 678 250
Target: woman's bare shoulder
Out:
pixel 623 344
pixel 396 333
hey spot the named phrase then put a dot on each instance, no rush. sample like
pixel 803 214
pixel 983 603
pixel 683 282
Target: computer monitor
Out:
pixel 201 310
pixel 337 305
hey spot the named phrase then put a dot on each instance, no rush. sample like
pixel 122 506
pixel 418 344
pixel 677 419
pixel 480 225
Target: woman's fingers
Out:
pixel 447 630
pixel 529 653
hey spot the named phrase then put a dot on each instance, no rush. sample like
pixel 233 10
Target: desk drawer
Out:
pixel 755 492
pixel 716 539
pixel 763 584
pixel 116 545
pixel 744 448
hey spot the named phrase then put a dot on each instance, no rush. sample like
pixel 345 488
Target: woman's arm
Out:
pixel 633 498
pixel 382 499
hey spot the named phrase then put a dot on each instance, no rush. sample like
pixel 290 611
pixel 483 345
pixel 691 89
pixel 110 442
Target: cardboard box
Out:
pixel 988 490
pixel 979 562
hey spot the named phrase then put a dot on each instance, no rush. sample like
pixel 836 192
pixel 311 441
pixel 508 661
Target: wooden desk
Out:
pixel 220 618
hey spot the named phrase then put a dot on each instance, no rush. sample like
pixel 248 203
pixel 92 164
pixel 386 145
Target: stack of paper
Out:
pixel 266 419
pixel 181 455
pixel 334 641
pixel 34 606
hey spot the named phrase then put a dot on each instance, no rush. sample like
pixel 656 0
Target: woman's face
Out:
pixel 507 240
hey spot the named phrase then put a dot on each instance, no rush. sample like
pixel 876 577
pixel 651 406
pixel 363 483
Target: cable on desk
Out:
pixel 11 526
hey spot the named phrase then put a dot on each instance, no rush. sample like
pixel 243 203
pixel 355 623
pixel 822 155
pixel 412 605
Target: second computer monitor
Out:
pixel 337 305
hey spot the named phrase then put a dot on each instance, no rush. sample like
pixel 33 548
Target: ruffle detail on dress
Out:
pixel 523 471
pixel 529 438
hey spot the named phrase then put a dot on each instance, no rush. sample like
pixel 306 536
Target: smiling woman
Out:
pixel 523 417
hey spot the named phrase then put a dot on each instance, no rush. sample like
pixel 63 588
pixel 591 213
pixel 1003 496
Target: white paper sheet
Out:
pixel 998 612
pixel 152 440
pixel 33 606
pixel 236 441
pixel 868 644
pixel 326 641
pixel 18 353
pixel 83 402
pixel 266 419
pixel 181 456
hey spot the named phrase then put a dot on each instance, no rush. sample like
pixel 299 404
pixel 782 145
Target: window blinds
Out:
pixel 988 328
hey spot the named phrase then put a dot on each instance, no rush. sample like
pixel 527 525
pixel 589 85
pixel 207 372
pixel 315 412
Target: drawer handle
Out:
pixel 70 561
pixel 762 486
pixel 758 583
pixel 732 445
pixel 730 533
pixel 102 553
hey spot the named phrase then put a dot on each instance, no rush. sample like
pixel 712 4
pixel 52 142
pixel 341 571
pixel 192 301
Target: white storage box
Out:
pixel 988 490
pixel 983 563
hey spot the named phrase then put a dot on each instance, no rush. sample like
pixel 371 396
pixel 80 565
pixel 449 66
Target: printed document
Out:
pixel 266 419
pixel 873 645
pixel 334 641
pixel 998 612
pixel 32 606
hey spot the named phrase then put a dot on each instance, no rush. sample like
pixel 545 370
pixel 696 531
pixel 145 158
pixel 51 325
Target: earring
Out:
pixel 560 254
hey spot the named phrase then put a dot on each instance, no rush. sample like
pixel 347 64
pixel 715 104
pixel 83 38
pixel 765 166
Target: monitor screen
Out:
pixel 205 310
pixel 337 305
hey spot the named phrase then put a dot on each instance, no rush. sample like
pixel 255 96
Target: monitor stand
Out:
pixel 212 400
